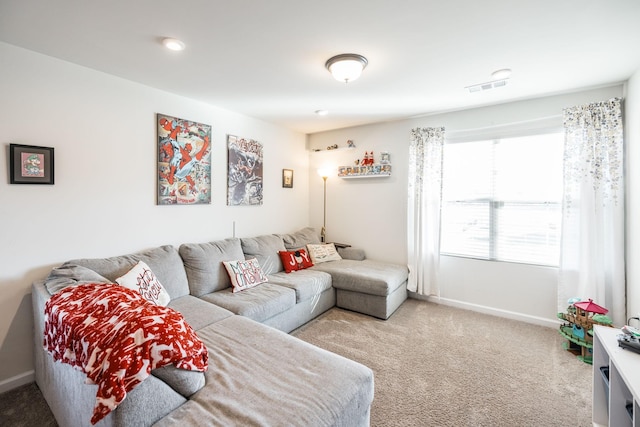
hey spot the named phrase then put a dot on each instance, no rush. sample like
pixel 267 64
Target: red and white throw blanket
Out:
pixel 117 337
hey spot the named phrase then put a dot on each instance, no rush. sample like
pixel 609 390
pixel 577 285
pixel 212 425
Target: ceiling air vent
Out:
pixel 486 86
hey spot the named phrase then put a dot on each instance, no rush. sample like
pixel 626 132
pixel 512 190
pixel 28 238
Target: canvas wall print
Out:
pixel 184 161
pixel 244 171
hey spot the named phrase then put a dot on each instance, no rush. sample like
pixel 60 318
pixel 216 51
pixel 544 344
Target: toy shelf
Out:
pixel 377 175
pixel 371 171
pixel 616 381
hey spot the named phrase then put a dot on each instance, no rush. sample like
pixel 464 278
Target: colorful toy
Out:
pixel 368 159
pixel 578 327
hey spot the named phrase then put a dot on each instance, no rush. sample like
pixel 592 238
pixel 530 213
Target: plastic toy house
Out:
pixel 578 327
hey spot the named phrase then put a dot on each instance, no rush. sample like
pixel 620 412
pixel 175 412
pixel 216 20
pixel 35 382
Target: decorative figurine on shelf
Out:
pixel 368 159
pixel 350 144
pixel 578 326
pixel 332 147
pixel 385 158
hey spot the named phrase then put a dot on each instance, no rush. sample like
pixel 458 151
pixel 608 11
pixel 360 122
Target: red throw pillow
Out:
pixel 295 260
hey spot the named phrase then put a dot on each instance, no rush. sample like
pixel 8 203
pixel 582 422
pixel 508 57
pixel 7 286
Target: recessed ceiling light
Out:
pixel 502 74
pixel 173 44
pixel 321 112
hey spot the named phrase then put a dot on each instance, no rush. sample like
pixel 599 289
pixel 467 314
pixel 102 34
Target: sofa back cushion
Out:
pixel 71 275
pixel 203 264
pixel 265 249
pixel 164 261
pixel 300 239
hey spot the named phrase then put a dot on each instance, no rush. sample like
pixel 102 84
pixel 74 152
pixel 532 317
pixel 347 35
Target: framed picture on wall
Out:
pixel 244 175
pixel 287 178
pixel 184 161
pixel 30 164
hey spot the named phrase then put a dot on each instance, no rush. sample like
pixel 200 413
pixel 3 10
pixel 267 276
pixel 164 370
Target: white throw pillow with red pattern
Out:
pixel 142 280
pixel 244 274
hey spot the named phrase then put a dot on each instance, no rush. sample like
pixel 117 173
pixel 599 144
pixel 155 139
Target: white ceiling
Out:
pixel 265 58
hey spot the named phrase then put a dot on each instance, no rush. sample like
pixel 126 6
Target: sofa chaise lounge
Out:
pixel 258 374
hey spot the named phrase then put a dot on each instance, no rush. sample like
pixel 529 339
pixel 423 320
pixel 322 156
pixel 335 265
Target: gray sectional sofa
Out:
pixel 258 375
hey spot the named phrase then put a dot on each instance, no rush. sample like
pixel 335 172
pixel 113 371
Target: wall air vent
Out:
pixel 486 86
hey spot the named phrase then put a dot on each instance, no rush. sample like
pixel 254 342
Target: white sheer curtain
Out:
pixel 425 195
pixel 592 244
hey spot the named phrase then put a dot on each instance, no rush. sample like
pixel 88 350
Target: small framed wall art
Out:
pixel 30 164
pixel 287 178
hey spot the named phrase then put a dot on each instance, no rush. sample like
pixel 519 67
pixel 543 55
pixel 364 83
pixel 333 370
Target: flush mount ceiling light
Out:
pixel 321 112
pixel 173 44
pixel 346 67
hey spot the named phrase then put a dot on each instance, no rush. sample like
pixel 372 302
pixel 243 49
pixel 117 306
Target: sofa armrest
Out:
pixel 352 253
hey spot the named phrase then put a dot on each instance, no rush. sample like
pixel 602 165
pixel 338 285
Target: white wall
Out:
pixel 632 141
pixel 103 201
pixel 371 213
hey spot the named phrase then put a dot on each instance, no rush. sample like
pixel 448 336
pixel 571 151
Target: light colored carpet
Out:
pixel 440 366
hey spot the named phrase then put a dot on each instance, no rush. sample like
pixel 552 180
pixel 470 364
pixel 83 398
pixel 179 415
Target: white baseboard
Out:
pixel 17 381
pixel 535 320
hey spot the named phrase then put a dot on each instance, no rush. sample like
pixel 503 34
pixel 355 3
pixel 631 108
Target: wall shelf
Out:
pixel 372 171
pixel 377 175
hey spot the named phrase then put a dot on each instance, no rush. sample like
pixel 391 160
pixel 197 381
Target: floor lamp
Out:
pixel 324 173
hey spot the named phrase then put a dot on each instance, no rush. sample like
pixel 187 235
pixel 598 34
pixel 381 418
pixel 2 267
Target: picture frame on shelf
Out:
pixel 31 164
pixel 287 178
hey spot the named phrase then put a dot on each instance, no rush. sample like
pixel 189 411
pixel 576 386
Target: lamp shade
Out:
pixel 325 172
pixel 346 67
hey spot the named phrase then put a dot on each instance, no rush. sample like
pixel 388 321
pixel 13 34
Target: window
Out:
pixel 502 199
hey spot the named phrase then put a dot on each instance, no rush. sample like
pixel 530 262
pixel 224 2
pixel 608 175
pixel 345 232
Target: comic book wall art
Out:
pixel 184 162
pixel 244 171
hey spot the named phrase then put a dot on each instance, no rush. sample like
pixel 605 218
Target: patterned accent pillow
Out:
pixel 295 260
pixel 244 274
pixel 142 280
pixel 323 253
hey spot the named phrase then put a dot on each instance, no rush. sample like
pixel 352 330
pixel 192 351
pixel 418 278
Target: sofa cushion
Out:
pixel 259 303
pixel 264 377
pixel 182 381
pixel 367 276
pixel 164 261
pixel 203 264
pixel 71 275
pixel 244 274
pixel 300 239
pixel 198 313
pixel 352 253
pixel 142 280
pixel 307 283
pixel 265 249
pixel 295 260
